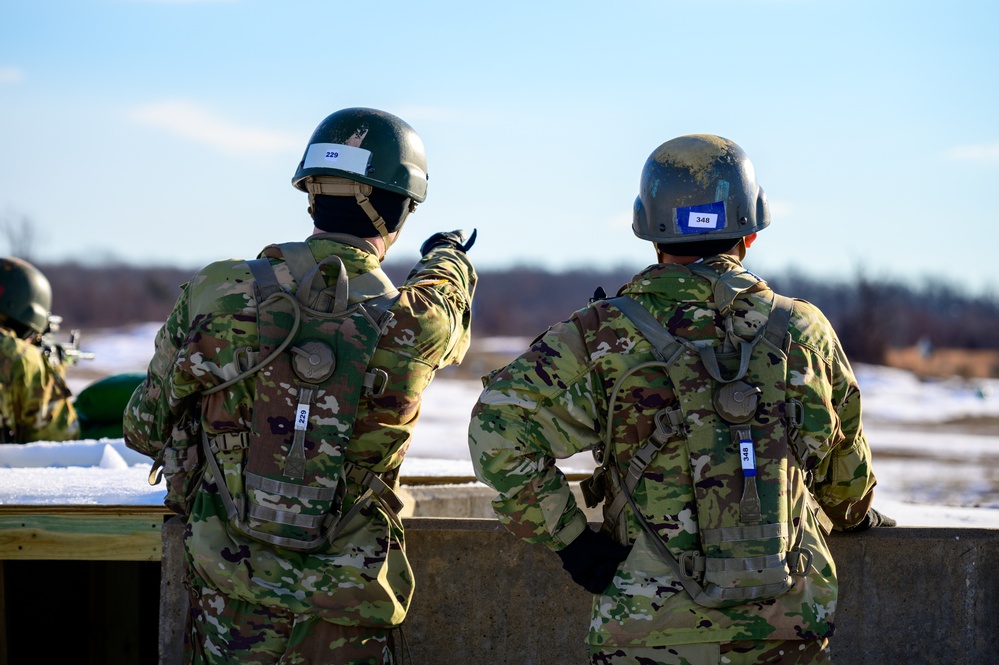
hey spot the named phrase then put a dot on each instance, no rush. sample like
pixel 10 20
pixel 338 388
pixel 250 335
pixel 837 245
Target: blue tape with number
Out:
pixel 702 218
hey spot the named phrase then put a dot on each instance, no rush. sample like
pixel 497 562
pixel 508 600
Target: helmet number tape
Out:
pixel 336 156
pixel 701 218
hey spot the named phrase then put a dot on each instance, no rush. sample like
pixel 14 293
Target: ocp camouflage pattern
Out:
pixel 364 577
pixel 552 402
pixel 35 402
pixel 248 634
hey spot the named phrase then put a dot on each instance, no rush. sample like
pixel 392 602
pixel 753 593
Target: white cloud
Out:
pixel 11 75
pixel 194 123
pixel 983 152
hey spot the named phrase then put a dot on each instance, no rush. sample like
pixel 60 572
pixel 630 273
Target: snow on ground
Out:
pixel 935 443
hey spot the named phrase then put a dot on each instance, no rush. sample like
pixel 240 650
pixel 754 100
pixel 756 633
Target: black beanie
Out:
pixel 341 214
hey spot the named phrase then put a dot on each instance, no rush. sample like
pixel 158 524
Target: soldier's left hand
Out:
pixel 873 519
pixel 592 559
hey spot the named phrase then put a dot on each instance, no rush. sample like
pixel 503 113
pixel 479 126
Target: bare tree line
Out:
pixel 869 315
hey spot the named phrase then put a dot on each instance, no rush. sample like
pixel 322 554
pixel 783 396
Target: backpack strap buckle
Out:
pixel 375 382
pixel 691 564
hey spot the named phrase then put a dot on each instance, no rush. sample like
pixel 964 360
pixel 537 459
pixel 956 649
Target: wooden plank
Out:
pixel 83 509
pixel 81 536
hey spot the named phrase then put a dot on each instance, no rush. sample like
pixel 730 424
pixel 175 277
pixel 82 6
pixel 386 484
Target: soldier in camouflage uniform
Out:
pixel 700 203
pixel 257 602
pixel 35 401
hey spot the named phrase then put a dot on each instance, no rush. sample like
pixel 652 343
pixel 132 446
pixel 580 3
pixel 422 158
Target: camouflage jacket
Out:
pixel 363 578
pixel 35 402
pixel 552 402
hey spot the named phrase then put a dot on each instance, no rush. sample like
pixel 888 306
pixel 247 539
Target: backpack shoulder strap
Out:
pixel 666 346
pixel 777 333
pixel 264 278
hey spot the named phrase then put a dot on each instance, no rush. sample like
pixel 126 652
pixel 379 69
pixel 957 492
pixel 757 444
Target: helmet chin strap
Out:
pixel 332 186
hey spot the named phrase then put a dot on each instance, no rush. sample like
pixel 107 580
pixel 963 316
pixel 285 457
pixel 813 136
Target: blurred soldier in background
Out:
pixel 725 422
pixel 282 398
pixel 34 398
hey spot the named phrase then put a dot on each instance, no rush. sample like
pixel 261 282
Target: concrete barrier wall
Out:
pixel 922 596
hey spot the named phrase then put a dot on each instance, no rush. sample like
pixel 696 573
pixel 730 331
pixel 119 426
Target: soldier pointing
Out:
pixel 282 398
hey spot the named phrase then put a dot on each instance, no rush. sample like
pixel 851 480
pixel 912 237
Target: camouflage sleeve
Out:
pixel 843 478
pixel 532 412
pixel 149 418
pixel 44 411
pixel 430 329
pixel 444 281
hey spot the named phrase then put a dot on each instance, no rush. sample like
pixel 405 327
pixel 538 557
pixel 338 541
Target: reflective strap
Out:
pixel 750 509
pixel 294 463
pixel 292 490
pixel 285 517
pixel 735 534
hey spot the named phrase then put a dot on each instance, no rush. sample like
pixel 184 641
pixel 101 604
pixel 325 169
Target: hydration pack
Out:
pixel 283 480
pixel 733 417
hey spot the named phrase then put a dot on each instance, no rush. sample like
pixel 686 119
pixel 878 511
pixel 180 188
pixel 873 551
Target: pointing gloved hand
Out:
pixel 872 520
pixel 592 559
pixel 459 239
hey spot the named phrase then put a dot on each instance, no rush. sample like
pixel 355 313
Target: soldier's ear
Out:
pixel 749 240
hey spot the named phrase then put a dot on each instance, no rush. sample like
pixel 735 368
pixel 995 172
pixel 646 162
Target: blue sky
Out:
pixel 167 132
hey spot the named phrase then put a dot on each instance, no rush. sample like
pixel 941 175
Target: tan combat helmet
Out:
pixel 699 187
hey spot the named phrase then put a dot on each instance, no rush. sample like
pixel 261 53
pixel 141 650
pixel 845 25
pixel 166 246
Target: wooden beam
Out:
pixel 102 535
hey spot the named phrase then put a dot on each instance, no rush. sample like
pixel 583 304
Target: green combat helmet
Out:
pixel 356 149
pixel 25 297
pixel 699 187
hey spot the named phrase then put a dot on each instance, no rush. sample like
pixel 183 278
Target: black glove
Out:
pixel 872 520
pixel 459 239
pixel 592 559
